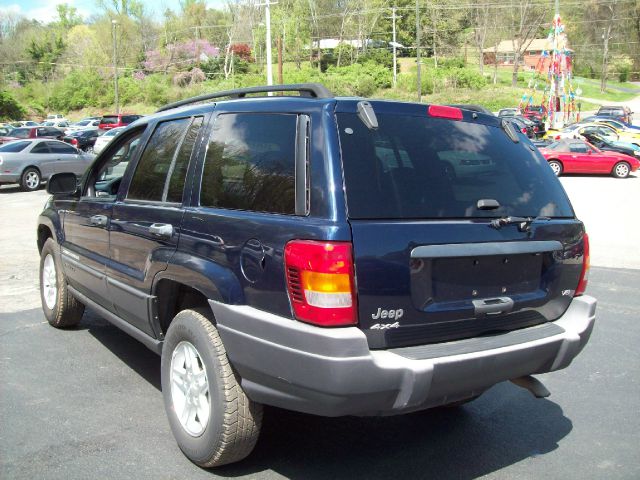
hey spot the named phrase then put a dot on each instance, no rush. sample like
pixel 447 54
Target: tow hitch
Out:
pixel 534 385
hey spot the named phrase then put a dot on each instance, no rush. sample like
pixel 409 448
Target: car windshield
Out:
pixel 14 147
pixel 20 132
pixel 415 167
pixel 112 133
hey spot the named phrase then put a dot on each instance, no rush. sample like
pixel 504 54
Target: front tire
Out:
pixel 556 167
pixel 61 309
pixel 30 180
pixel 212 419
pixel 621 170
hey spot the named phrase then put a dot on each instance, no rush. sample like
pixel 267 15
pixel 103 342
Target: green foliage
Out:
pixel 10 109
pixel 381 56
pixel 79 89
pixel 46 52
pixel 346 53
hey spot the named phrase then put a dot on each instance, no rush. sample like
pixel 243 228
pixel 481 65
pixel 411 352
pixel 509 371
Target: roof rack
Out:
pixel 311 90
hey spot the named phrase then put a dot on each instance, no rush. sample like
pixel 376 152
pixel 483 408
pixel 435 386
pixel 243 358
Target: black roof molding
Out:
pixel 310 90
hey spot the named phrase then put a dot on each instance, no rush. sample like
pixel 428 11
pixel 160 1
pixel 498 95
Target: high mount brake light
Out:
pixel 442 111
pixel 320 282
pixel 586 262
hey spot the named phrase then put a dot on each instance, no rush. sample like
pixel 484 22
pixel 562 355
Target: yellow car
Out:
pixel 607 131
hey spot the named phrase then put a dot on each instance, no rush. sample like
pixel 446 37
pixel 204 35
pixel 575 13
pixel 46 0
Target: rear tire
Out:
pixel 621 170
pixel 212 419
pixel 30 180
pixel 556 167
pixel 61 308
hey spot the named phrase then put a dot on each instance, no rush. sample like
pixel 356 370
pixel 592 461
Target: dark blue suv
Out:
pixel 334 256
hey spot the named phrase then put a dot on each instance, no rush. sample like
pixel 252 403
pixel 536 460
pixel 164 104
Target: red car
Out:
pixel 107 122
pixel 22 133
pixel 577 156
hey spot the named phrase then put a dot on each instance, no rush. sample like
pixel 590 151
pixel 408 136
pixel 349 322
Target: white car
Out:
pixel 61 124
pixel 82 125
pixel 105 138
pixel 55 116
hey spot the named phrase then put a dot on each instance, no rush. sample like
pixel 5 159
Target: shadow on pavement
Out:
pixel 504 426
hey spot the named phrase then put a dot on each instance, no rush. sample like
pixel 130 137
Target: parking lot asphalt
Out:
pixel 87 402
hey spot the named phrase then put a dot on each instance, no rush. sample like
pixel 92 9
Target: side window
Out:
pixel 40 148
pixel 178 173
pixel 578 148
pixel 158 163
pixel 111 170
pixel 250 163
pixel 57 147
pixel 41 131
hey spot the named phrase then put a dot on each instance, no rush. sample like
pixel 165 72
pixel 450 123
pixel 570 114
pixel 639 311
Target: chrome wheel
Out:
pixel 622 170
pixel 49 282
pixel 555 166
pixel 32 180
pixel 190 389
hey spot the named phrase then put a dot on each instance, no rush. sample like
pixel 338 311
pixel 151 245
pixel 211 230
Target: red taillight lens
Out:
pixel 524 130
pixel 557 137
pixel 584 275
pixel 74 141
pixel 535 129
pixel 320 282
pixel 442 111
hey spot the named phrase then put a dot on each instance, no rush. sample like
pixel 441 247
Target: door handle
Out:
pixel 98 221
pixel 164 230
pixel 492 306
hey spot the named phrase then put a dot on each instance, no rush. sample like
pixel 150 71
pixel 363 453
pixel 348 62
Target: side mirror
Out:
pixel 62 184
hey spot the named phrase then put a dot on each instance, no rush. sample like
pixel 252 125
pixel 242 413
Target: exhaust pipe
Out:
pixel 534 385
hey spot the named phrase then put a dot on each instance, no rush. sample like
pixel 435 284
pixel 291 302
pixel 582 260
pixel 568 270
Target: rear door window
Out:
pixel 415 167
pixel 40 148
pixel 250 163
pixel 57 147
pixel 160 173
pixel 109 120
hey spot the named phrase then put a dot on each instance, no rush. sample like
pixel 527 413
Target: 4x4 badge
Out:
pixel 385 326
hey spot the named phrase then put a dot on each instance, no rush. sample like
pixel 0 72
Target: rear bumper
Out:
pixel 332 372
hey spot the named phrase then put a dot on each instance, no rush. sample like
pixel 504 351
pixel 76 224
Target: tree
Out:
pixel 526 19
pixel 67 16
pixel 481 13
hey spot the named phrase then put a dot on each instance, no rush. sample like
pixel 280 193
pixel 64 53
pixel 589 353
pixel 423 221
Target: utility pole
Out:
pixel 114 25
pixel 267 17
pixel 418 51
pixel 395 44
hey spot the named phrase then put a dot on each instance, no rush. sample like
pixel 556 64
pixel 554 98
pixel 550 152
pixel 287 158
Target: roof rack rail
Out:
pixel 311 90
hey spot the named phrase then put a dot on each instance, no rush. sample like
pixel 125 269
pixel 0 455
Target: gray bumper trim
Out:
pixel 332 372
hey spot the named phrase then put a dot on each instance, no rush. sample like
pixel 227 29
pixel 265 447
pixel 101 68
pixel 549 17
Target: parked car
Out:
pixel 317 254
pixel 33 132
pixel 577 130
pixel 56 117
pixel 473 108
pixel 536 125
pixel 5 132
pixel 105 138
pixel 107 122
pixel 82 125
pixel 508 112
pixel 523 125
pixel 577 156
pixel 617 124
pixel 82 139
pixel 607 145
pixel 30 162
pixel 61 124
pixel 622 113
pixel 535 113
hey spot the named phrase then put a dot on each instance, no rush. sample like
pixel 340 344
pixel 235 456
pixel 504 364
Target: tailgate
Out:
pixel 412 291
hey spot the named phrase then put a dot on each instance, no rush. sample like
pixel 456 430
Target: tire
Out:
pixel 232 424
pixel 30 180
pixel 89 149
pixel 556 166
pixel 460 403
pixel 61 308
pixel 621 170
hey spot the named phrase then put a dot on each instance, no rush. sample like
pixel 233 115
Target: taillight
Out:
pixel 442 111
pixel 320 282
pixel 535 129
pixel 584 275
pixel 524 130
pixel 74 141
pixel 557 137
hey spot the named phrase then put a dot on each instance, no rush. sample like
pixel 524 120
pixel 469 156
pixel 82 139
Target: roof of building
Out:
pixel 506 46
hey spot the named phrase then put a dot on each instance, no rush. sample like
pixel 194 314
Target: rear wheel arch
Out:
pixel 173 297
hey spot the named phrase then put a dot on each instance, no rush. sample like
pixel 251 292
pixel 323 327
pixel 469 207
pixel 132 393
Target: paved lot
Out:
pixel 86 403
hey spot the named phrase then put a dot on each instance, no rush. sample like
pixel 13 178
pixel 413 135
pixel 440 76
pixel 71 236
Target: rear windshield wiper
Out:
pixel 524 223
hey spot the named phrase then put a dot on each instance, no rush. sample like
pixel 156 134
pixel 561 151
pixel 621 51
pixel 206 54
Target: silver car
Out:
pixel 29 162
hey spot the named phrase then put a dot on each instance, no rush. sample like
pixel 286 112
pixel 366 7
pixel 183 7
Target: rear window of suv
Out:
pixel 420 167
pixel 110 120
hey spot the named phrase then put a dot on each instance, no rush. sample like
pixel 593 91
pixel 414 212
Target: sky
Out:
pixel 45 10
